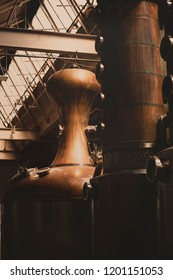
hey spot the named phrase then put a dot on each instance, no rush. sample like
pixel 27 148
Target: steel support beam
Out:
pixel 9 155
pixel 16 135
pixel 8 151
pixel 51 42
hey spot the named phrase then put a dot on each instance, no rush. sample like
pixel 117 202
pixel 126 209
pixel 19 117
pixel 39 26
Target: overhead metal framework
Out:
pixel 10 155
pixel 38 37
pixel 18 135
pixel 51 42
pixel 42 32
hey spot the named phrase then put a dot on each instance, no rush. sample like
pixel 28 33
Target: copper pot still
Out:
pixel 45 215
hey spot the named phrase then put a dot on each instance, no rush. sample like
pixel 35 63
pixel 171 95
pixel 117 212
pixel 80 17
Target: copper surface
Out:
pixel 125 203
pixel 45 211
pixel 73 90
pixel 132 80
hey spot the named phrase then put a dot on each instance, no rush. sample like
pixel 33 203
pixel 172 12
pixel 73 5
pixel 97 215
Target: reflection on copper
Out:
pixel 73 90
pixel 58 219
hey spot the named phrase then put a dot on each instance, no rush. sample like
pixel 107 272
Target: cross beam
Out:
pixel 16 135
pixel 44 41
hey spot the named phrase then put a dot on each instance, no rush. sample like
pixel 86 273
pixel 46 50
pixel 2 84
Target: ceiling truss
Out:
pixel 51 42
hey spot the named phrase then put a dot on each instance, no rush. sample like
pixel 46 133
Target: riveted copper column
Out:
pixel 45 216
pixel 131 81
pixel 131 75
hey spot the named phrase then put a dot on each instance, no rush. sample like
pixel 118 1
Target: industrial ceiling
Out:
pixel 37 38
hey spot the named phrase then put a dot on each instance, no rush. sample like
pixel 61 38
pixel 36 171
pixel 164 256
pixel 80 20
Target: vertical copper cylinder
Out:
pixel 132 81
pixel 45 216
pixel 125 202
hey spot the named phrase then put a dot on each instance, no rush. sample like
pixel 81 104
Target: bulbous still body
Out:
pixel 45 216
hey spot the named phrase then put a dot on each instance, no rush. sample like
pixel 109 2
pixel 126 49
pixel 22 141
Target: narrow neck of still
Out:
pixel 73 147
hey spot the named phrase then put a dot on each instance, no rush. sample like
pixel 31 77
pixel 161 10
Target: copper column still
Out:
pixel 45 216
pixel 160 165
pixel 131 75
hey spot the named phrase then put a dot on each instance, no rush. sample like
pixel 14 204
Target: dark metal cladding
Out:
pixel 125 216
pixel 165 14
pixel 160 170
pixel 45 216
